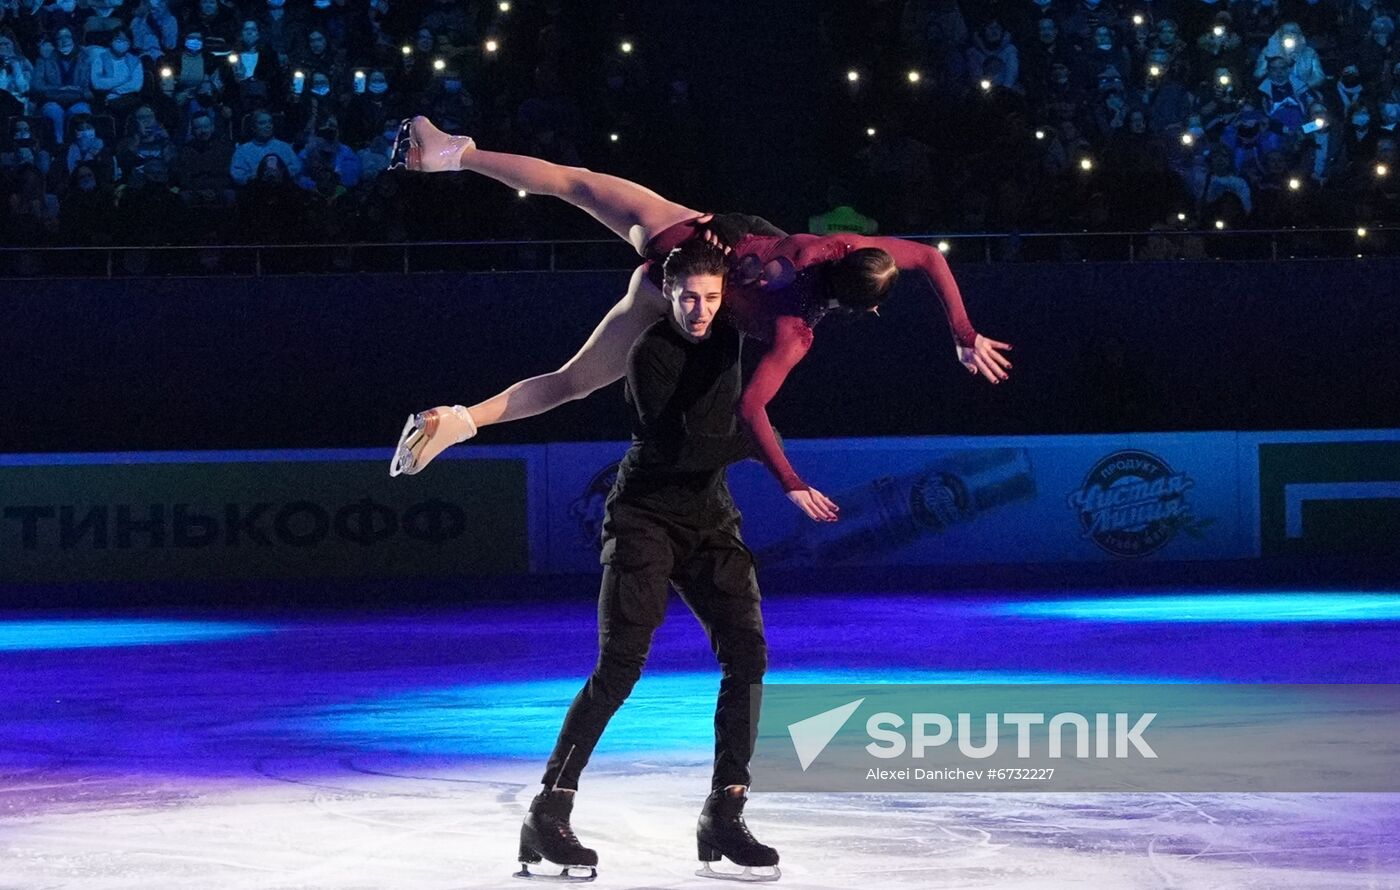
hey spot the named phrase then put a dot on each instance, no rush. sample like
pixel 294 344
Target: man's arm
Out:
pixel 651 379
pixel 730 228
pixel 289 155
pixel 242 166
pixel 135 77
pixel 98 72
pixel 654 378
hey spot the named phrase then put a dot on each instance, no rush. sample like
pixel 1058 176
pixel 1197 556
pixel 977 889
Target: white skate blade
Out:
pixel 566 876
pixel 402 461
pixel 398 155
pixel 748 876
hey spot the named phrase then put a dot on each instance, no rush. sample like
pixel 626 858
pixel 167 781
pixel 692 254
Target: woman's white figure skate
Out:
pixel 428 434
pixel 423 148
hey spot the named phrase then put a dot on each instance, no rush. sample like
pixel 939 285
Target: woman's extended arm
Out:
pixel 977 353
pixel 913 256
pixel 792 338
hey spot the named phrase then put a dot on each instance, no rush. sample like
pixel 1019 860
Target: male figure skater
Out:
pixel 670 519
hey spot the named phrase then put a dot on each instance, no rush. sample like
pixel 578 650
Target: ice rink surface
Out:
pixel 400 750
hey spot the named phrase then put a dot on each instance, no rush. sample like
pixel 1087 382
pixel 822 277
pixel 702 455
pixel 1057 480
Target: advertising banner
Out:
pixel 1326 494
pixel 242 515
pixel 513 510
pixel 942 501
pixel 580 475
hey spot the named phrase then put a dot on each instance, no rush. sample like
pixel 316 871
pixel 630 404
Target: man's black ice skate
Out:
pixel 722 833
pixel 546 835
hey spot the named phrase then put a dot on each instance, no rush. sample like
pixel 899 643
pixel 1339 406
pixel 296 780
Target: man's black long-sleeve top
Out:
pixel 685 431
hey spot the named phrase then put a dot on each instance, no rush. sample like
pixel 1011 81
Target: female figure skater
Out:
pixel 778 288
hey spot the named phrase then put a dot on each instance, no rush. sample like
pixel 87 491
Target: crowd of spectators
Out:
pixel 272 121
pixel 260 121
pixel 1129 115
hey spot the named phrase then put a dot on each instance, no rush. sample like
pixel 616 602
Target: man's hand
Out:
pixel 709 235
pixel 985 359
pixel 815 504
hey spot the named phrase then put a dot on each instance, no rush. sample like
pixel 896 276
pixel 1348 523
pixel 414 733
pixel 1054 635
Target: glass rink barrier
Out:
pixel 1165 244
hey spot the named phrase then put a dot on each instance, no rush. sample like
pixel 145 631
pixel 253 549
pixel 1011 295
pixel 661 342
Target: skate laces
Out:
pixel 735 820
pixel 742 827
pixel 566 832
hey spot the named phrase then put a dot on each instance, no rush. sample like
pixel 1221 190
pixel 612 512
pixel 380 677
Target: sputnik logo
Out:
pixel 811 736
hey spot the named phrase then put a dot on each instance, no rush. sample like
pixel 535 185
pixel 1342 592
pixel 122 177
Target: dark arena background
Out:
pixel 236 653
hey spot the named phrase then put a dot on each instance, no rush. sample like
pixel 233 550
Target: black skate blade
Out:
pixel 748 876
pixel 566 876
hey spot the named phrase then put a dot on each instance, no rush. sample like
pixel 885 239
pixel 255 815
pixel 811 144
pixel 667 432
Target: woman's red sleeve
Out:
pixel 792 339
pixel 929 260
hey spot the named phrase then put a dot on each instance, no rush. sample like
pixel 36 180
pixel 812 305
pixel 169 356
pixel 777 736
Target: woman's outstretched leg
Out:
pixel 601 360
pixel 633 212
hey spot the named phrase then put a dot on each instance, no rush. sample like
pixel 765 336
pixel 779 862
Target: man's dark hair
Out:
pixel 693 258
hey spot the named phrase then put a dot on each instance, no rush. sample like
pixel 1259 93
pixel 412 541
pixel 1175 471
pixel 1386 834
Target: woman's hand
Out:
pixel 815 504
pixel 985 359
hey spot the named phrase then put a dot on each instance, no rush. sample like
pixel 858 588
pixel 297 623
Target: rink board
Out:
pixel 490 510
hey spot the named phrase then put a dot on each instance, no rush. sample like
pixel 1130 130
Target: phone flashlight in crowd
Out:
pixel 1382 171
pixel 944 247
pixel 1224 80
pixel 167 80
pixel 1187 139
pixel 1181 217
pixel 406 50
pixel 1040 134
pixel 521 193
pixel 986 85
pixel 1139 20
pixel 1313 126
pixel 853 76
pixel 626 47
pixel 1220 224
pixel 360 81
pixel 1290 43
pixel 870 131
pixel 492 45
pixel 1218 30
pixel 614 137
pixel 914 76
pixel 439 65
pixel 1361 232
pixel 298 82
pixel 1154 70
pixel 233 58
pixel 1086 164
pixel 1294 184
pixel 503 6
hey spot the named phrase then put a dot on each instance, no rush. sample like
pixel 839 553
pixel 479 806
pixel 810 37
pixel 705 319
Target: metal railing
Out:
pixel 606 254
